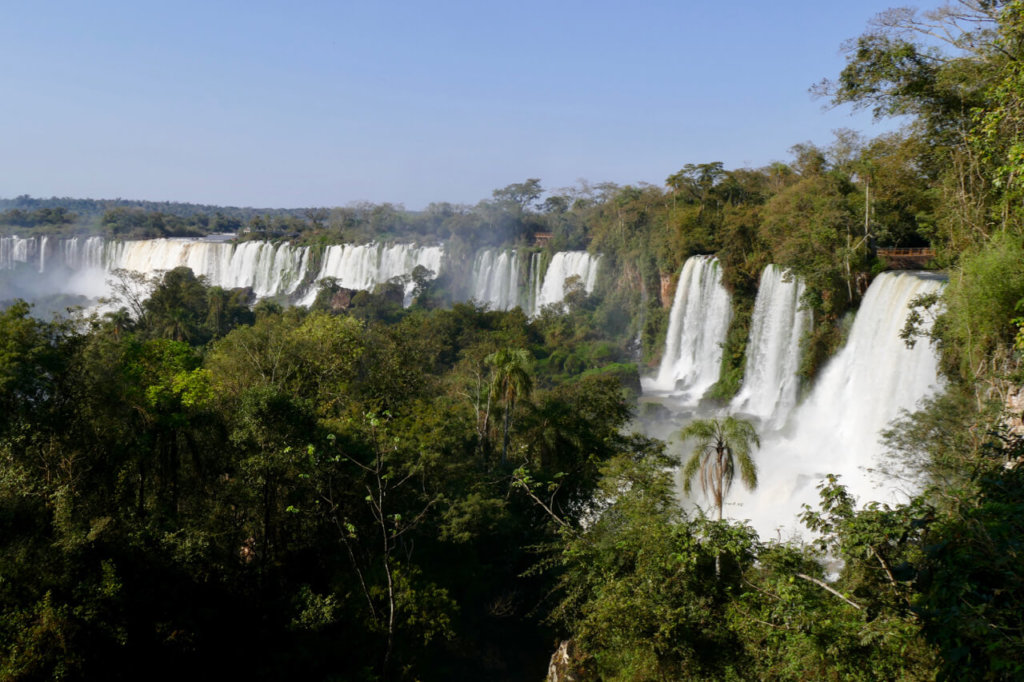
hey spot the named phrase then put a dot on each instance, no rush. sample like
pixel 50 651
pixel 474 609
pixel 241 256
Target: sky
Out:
pixel 296 104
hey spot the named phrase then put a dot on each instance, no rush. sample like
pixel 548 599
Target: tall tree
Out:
pixel 511 380
pixel 721 446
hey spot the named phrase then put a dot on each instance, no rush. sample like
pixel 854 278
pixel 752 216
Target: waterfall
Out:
pixel 836 430
pixel 697 327
pixel 43 243
pixel 535 281
pixel 69 266
pixel 270 269
pixel 363 266
pixel 80 253
pixel 17 250
pixel 48 254
pixel 565 264
pixel 496 279
pixel 769 390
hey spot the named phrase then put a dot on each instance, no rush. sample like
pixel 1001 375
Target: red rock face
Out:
pixel 341 300
pixel 1014 419
pixel 668 289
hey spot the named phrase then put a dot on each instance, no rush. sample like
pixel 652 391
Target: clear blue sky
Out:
pixel 290 104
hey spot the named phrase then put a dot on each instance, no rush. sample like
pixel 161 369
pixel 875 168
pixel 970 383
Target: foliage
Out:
pixel 980 303
pixel 295 482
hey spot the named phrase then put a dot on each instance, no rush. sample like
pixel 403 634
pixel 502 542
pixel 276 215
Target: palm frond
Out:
pixel 720 446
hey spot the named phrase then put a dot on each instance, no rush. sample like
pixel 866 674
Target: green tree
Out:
pixel 511 380
pixel 721 446
pixel 640 592
pixel 178 307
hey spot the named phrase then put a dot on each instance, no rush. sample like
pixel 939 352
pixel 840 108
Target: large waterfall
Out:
pixel 769 390
pixel 697 327
pixel 281 269
pixel 565 264
pixel 496 279
pixel 28 250
pixel 47 266
pixel 836 430
pixel 362 266
pixel 270 269
pixel 49 253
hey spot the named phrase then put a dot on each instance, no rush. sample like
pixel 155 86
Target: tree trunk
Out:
pixel 509 407
pixel 720 494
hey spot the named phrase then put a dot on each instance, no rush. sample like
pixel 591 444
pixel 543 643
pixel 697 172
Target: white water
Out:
pixel 270 269
pixel 279 269
pixel 46 253
pixel 769 390
pixel 496 279
pixel 535 281
pixel 18 250
pixel 836 430
pixel 697 327
pixel 49 266
pixel 566 264
pixel 82 253
pixel 363 266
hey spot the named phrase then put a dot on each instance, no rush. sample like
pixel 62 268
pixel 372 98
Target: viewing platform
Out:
pixel 906 258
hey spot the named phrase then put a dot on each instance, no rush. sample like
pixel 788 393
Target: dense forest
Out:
pixel 202 485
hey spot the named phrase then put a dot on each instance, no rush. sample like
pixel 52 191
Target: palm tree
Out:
pixel 721 445
pixel 511 380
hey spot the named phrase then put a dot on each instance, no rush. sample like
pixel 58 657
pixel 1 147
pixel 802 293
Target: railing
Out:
pixel 919 252
pixel 902 258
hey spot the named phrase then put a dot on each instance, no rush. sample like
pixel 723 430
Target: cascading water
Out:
pixel 697 327
pixel 836 430
pixel 46 253
pixel 496 279
pixel 82 253
pixel 279 269
pixel 84 263
pixel 43 243
pixel 365 265
pixel 535 281
pixel 769 390
pixel 45 266
pixel 270 269
pixel 566 264
pixel 15 250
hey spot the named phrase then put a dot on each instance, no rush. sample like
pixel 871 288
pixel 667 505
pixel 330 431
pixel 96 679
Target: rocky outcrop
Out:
pixel 568 664
pixel 341 300
pixel 1014 416
pixel 668 289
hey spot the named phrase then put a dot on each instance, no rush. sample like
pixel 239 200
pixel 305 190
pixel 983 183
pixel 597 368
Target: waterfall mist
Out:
pixel 51 273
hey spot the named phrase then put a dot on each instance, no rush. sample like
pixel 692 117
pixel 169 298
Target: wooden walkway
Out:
pixel 905 259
